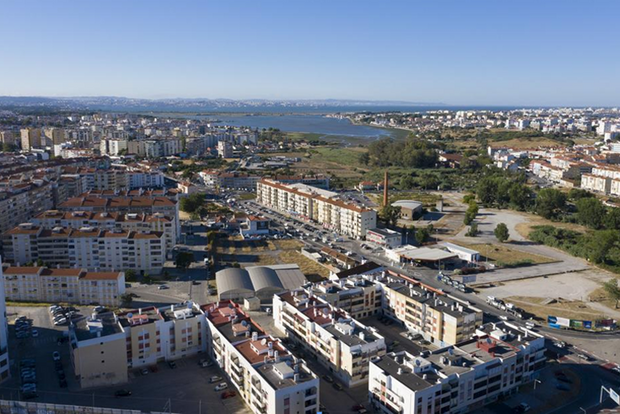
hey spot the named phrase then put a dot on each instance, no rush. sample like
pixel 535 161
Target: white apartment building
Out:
pixel 318 205
pixel 457 379
pixel 5 368
pixel 596 183
pixel 331 335
pixel 268 378
pixel 40 284
pixel 110 221
pixel 88 247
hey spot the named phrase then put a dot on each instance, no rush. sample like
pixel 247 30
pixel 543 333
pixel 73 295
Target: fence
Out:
pixel 24 407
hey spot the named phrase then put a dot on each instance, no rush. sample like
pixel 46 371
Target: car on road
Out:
pixel 215 378
pixel 122 393
pixel 35 333
pixel 337 386
pixel 205 363
pixel 228 394
pixel 144 371
pixel 162 287
pixel 562 386
pixel 221 386
pixel 584 357
pixel 56 356
pixel 522 408
pixel 559 344
pixel 327 378
pixel 172 364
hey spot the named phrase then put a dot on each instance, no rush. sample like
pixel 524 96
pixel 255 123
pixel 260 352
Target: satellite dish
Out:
pixel 325 311
pixel 451 351
pixel 489 341
pixel 263 341
pixel 130 315
pixel 417 362
pixel 244 323
pixel 230 306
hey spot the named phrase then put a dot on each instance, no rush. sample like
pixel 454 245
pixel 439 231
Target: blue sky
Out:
pixel 554 52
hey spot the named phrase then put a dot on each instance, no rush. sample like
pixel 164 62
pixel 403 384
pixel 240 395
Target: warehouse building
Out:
pixel 258 281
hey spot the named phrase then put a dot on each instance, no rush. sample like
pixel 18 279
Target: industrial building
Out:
pixel 257 281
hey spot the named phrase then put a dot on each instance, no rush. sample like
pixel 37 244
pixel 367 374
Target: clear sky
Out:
pixel 544 52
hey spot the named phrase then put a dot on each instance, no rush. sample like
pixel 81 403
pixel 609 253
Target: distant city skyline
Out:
pixel 455 53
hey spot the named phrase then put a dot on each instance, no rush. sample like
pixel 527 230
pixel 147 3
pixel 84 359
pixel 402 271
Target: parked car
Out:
pixel 35 333
pixel 215 378
pixel 144 371
pixel 221 386
pixel 584 357
pixel 327 378
pixel 172 364
pixel 122 393
pixel 162 287
pixel 337 386
pixel 228 394
pixel 205 363
pixel 56 356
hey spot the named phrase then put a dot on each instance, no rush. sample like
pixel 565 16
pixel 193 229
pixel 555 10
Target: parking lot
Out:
pixel 186 389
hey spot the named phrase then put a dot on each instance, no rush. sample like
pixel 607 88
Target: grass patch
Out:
pixel 313 271
pixel 247 196
pixel 533 221
pixel 567 309
pixel 504 256
pixel 33 304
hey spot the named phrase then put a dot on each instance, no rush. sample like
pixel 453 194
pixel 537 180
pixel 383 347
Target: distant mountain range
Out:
pixel 114 103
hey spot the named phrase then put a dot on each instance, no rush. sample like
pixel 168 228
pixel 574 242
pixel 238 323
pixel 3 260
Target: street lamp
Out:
pixel 536 382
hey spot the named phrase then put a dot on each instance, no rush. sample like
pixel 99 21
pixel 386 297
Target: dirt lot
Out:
pixel 269 252
pixel 503 254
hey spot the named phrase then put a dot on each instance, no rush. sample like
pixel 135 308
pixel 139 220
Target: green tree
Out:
pixel 590 212
pixel 184 260
pixel 473 230
pixel 550 203
pixel 598 245
pixel 422 235
pixel 192 202
pixel 364 158
pixel 126 300
pixel 501 232
pixel 612 219
pixel 613 290
pixel 390 214
pixel 130 275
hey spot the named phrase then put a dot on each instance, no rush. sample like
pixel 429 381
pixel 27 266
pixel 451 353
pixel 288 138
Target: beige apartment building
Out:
pixel 318 205
pixel 40 284
pixel 21 202
pixel 87 247
pixel 268 378
pixel 439 318
pixel 335 339
pixel 54 136
pixel 30 138
pixel 104 349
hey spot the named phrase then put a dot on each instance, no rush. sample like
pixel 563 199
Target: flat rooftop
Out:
pixel 86 328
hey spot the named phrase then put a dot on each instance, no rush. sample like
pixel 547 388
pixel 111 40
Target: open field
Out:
pixel 525 228
pixel 564 308
pixel 520 143
pixel 269 252
pixel 503 254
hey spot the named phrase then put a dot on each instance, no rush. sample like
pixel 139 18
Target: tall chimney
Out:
pixel 385 189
